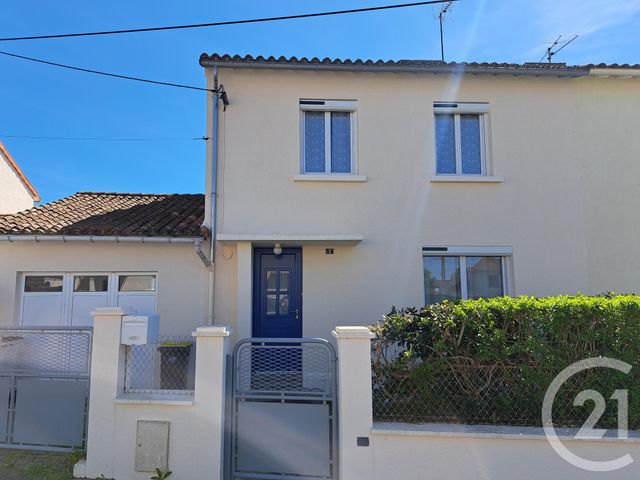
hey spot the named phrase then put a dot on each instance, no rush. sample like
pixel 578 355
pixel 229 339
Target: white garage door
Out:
pixel 55 299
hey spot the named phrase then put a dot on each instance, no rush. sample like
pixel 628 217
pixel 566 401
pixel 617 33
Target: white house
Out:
pixel 16 191
pixel 400 183
pixel 335 189
pixel 382 183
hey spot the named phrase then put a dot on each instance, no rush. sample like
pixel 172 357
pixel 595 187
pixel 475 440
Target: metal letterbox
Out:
pixel 139 329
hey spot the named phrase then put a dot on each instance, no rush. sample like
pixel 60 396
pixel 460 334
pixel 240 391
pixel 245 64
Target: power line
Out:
pixel 220 24
pixel 110 139
pixel 106 74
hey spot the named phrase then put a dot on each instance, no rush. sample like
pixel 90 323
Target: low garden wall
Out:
pixel 458 388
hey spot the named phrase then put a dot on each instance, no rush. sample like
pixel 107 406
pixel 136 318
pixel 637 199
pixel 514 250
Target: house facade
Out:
pixel 16 191
pixel 94 250
pixel 404 183
pixel 343 188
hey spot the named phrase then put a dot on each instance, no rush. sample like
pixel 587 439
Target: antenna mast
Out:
pixel 443 11
pixel 557 43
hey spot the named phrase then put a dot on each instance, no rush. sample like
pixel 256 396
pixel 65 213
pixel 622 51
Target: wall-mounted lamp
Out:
pixel 277 250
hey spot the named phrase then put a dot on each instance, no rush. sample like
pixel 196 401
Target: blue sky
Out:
pixel 44 101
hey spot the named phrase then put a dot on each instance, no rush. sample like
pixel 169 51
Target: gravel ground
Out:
pixel 28 465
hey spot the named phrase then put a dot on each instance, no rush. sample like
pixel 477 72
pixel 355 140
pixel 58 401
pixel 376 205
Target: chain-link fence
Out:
pixel 465 391
pixel 165 366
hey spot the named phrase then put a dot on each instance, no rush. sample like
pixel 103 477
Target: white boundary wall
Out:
pixel 196 422
pixel 368 451
pixel 425 452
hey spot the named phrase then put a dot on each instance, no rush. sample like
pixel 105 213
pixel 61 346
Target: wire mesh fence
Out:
pixel 464 391
pixel 277 366
pixel 44 384
pixel 164 366
pixel 45 352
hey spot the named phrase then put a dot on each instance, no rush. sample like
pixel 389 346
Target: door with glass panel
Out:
pixel 277 288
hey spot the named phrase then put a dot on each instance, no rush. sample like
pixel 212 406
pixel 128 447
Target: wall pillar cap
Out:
pixel 352 332
pixel 109 312
pixel 212 331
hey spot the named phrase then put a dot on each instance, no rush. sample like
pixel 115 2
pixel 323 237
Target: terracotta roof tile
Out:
pixel 111 214
pixel 428 66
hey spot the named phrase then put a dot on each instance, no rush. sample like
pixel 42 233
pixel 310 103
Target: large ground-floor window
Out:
pixel 67 298
pixel 479 273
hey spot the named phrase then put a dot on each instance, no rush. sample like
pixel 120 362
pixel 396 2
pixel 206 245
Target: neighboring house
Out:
pixel 400 183
pixel 16 191
pixel 63 259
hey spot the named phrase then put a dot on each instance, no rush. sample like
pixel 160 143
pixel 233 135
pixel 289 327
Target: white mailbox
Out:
pixel 139 329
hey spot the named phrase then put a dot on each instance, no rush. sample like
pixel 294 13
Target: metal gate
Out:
pixel 44 387
pixel 283 410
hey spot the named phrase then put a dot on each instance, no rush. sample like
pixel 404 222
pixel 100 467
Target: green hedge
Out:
pixel 491 361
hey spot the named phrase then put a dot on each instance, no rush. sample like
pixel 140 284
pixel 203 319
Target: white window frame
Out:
pixel 67 293
pixel 456 109
pixel 329 106
pixel 145 293
pixel 504 253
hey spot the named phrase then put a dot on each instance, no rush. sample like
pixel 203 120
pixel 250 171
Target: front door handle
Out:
pixel 297 312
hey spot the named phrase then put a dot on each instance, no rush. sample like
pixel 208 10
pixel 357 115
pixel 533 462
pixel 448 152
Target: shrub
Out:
pixel 491 360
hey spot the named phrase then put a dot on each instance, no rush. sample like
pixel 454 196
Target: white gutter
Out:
pixel 615 72
pixel 97 238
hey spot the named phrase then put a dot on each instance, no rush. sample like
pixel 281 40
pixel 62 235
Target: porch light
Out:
pixel 277 250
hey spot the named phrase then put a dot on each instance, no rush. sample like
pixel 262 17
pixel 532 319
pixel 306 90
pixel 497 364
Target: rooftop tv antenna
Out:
pixel 556 46
pixel 446 6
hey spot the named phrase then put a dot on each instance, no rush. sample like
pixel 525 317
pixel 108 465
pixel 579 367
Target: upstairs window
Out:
pixel 460 131
pixel 327 136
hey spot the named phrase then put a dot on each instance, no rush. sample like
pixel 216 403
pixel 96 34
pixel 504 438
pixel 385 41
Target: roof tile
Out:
pixel 435 66
pixel 111 214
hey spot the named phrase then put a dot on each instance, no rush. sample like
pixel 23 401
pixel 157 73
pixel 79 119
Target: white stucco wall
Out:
pixel 182 287
pixel 544 137
pixel 426 456
pixel 608 117
pixel 14 195
pixel 195 442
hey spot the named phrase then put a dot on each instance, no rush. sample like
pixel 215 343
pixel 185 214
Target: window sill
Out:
pixel 347 177
pixel 466 179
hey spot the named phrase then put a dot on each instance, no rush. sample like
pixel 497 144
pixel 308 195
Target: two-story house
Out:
pixel 345 187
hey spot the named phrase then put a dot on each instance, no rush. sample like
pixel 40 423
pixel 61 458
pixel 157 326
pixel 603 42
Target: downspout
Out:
pixel 198 247
pixel 214 196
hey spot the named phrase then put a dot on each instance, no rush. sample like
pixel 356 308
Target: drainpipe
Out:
pixel 198 247
pixel 214 197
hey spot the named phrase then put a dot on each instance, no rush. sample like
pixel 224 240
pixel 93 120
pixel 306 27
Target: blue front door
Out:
pixel 277 293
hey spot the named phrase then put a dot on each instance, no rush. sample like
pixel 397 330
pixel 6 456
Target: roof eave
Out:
pixel 207 62
pixel 614 72
pixel 13 237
